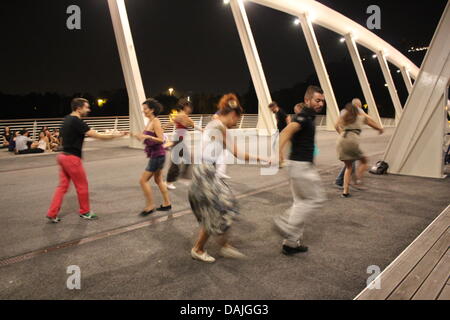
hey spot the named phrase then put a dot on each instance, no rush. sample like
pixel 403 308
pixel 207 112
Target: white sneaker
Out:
pixel 231 253
pixel 171 186
pixel 204 257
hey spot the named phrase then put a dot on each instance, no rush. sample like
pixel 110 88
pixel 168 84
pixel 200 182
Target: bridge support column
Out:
pixel 362 77
pixel 130 66
pixel 407 79
pixel 313 45
pixel 391 85
pixel 266 119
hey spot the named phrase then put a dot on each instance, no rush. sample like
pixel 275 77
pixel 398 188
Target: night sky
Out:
pixel 191 45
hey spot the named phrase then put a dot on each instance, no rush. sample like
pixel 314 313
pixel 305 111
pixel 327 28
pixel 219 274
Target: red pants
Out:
pixel 70 168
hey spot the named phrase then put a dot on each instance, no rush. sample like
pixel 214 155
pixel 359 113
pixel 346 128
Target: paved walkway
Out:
pixel 122 256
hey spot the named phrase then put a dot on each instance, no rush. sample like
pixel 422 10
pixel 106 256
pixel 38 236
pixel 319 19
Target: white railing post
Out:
pixel 242 121
pixel 34 129
pixel 116 122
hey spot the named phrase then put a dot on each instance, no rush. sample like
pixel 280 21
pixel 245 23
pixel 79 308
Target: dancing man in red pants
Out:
pixel 74 129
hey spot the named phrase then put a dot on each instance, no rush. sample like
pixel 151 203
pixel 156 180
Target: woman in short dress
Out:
pixel 211 199
pixel 349 127
pixel 153 138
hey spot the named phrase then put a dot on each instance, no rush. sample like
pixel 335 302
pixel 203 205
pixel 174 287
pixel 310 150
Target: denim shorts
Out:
pixel 155 164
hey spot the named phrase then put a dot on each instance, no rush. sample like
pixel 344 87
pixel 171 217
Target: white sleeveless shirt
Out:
pixel 212 142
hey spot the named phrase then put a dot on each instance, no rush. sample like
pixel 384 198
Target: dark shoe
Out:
pixel 147 213
pixel 168 208
pixel 289 251
pixel 346 195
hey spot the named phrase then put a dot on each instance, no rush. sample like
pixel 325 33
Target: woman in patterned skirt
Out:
pixel 211 199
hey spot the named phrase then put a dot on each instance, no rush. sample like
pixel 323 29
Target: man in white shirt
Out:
pixel 22 144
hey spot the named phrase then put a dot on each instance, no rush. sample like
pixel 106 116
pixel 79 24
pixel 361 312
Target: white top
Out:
pixel 21 142
pixel 42 144
pixel 212 142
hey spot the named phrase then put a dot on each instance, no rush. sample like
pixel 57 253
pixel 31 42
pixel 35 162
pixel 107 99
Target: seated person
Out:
pixel 53 142
pixel 42 143
pixel 12 142
pixel 6 138
pixel 22 144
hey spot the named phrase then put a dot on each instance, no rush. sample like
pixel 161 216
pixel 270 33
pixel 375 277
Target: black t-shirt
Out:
pixel 303 141
pixel 281 120
pixel 73 131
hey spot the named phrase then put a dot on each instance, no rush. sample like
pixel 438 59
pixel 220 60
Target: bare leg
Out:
pixel 162 187
pixel 203 237
pixel 347 176
pixel 146 176
pixel 361 169
pixel 223 240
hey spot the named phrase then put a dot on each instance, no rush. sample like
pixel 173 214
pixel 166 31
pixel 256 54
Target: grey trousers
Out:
pixel 308 194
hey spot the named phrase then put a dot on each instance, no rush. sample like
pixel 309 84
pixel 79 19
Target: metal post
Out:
pixel 266 119
pixel 332 107
pixel 391 85
pixel 407 79
pixel 130 66
pixel 242 121
pixel 362 77
pixel 34 129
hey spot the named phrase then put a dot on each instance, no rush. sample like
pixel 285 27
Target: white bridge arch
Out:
pixel 309 12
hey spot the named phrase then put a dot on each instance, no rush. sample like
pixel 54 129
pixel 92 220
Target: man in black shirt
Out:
pixel 74 129
pixel 282 118
pixel 305 181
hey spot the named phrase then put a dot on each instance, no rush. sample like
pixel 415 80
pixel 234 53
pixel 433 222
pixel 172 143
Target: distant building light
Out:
pixel 297 22
pixel 101 102
pixel 226 1
pixel 374 56
pixel 413 49
pixel 342 40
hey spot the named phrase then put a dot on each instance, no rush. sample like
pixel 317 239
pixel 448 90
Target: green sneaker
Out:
pixel 89 216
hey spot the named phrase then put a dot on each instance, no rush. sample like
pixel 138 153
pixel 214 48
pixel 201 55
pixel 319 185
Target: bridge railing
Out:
pixel 122 123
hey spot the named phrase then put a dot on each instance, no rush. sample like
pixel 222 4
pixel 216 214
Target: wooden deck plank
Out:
pixel 436 281
pixel 396 272
pixel 422 270
pixel 445 294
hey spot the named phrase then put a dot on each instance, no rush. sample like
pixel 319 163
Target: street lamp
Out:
pixel 171 91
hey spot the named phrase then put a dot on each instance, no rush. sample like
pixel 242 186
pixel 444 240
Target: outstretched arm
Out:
pixel 371 123
pixel 94 134
pixel 232 147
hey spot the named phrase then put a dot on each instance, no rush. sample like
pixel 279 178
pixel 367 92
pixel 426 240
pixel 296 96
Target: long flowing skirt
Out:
pixel 212 200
